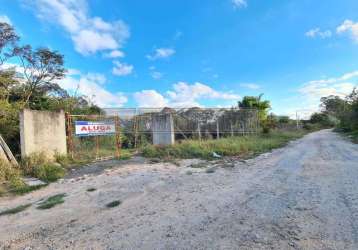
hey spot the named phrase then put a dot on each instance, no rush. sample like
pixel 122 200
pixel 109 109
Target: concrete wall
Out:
pixel 42 131
pixel 163 129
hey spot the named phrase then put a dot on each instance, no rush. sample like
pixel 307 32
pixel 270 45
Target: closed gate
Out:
pixel 93 137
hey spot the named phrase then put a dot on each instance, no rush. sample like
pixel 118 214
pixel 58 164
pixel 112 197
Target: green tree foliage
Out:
pixel 32 85
pixel 256 102
pixel 339 112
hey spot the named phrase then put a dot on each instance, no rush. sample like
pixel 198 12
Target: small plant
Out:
pixel 198 165
pixel 28 163
pixel 62 159
pixel 52 201
pixel 189 172
pixel 7 171
pixel 114 204
pixel 49 172
pixel 91 189
pixel 210 170
pixel 15 210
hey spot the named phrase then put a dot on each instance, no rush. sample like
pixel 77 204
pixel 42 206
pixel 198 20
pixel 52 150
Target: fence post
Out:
pixel 217 130
pixel 69 134
pixel 232 130
pixel 118 136
pixel 199 131
pixel 135 128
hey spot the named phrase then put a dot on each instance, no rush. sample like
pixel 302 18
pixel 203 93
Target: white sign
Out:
pixel 85 128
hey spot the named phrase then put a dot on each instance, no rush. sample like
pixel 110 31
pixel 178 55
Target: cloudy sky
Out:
pixel 129 53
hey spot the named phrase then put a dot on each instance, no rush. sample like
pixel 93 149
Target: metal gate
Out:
pixel 93 137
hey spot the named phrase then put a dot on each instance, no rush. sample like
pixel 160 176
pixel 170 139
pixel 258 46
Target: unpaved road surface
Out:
pixel 303 196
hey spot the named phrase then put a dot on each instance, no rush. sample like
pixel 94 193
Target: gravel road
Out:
pixel 303 196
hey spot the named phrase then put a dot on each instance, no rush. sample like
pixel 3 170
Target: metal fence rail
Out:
pixel 134 128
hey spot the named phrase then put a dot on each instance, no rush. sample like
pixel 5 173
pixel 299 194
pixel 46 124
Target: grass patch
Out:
pixel 113 204
pixel 52 201
pixel 91 189
pixel 15 210
pixel 243 146
pixel 353 136
pixel 27 189
pixel 49 172
pixel 189 172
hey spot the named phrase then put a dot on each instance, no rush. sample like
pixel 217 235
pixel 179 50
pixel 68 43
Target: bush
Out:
pixel 28 163
pixel 17 184
pixel 7 171
pixel 49 172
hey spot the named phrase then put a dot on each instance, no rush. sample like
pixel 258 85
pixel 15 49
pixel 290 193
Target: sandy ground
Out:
pixel 303 196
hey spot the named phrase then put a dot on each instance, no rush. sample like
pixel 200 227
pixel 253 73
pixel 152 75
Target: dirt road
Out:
pixel 304 196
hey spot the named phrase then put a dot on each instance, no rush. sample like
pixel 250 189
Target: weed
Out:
pixel 243 146
pixel 198 165
pixel 210 170
pixel 49 172
pixel 28 163
pixel 15 210
pixel 91 189
pixel 51 201
pixel 62 159
pixel 27 189
pixel 114 204
pixel 7 171
pixel 189 172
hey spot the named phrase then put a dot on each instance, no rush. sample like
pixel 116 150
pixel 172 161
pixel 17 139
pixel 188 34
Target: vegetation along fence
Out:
pixel 104 136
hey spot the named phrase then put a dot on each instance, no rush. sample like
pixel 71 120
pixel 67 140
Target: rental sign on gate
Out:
pixel 86 128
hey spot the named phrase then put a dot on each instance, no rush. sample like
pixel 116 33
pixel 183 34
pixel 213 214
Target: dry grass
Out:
pixel 244 146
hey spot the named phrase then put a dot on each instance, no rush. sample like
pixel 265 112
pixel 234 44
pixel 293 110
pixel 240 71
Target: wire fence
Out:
pixel 104 136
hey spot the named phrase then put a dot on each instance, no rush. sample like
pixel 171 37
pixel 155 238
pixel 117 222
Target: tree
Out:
pixel 41 68
pixel 255 102
pixel 7 83
pixel 333 105
pixel 8 39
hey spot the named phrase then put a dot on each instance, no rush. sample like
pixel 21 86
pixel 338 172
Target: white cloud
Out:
pixel 348 26
pixel 161 53
pixel 156 75
pixel 182 95
pixel 89 34
pixel 313 91
pixel 115 54
pixel 149 98
pixel 91 85
pixel 5 19
pixel 250 86
pixel 316 32
pixel 122 69
pixel 239 4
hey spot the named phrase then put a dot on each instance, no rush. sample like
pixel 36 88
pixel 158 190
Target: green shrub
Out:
pixel 113 204
pixel 15 210
pixel 29 163
pixel 52 201
pixel 49 172
pixel 62 159
pixel 16 184
pixel 7 171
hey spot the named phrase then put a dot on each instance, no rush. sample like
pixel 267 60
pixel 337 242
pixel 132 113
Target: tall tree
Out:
pixel 256 102
pixel 41 68
pixel 8 39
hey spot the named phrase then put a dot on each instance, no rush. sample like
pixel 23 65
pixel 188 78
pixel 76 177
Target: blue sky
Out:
pixel 190 52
